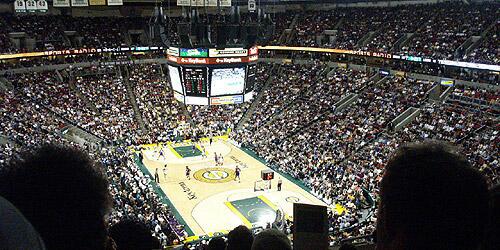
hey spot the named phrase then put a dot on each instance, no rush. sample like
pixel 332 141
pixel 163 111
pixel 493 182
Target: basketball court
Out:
pixel 212 200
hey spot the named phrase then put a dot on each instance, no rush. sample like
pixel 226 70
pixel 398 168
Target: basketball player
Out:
pixel 188 172
pixel 204 152
pixel 161 154
pixel 216 159
pixel 280 182
pixel 237 173
pixel 165 172
pixel 157 177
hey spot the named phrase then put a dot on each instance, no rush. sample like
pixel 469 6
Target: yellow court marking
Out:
pixel 241 216
pixel 268 202
pixel 175 152
pixel 201 150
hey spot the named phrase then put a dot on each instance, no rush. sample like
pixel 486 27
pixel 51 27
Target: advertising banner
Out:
pixel 97 2
pixel 79 3
pixel 222 100
pixel 229 52
pixel 173 51
pixel 202 3
pixel 115 2
pixel 194 52
pixel 60 3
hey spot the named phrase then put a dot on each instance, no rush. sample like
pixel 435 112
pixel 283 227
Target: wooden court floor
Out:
pixel 204 200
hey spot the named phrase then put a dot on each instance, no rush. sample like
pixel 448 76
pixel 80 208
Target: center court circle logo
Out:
pixel 214 175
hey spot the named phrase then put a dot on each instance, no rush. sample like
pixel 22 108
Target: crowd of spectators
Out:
pixel 26 124
pixel 17 115
pixel 283 89
pixel 487 51
pixel 442 34
pixel 105 89
pixel 329 154
pixel 339 154
pixel 161 113
pixel 134 196
pixel 438 30
pixel 89 32
pixel 484 99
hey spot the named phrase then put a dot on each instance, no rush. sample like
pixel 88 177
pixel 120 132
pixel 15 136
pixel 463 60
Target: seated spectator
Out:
pixel 271 239
pixel 130 234
pixel 431 198
pixel 62 193
pixel 239 238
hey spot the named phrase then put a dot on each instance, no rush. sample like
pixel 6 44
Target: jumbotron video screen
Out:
pixel 227 81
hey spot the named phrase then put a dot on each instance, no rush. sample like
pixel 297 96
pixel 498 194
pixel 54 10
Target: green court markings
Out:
pixel 252 210
pixel 187 151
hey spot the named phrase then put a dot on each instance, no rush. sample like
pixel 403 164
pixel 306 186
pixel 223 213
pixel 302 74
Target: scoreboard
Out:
pixel 195 81
pixel 201 76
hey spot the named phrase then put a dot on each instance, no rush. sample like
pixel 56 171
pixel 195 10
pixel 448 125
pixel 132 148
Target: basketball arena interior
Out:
pixel 285 121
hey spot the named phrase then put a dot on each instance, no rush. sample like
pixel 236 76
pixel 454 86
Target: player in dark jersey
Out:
pixel 188 172
pixel 237 172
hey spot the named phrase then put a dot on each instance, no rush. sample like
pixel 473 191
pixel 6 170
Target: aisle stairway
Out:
pixel 72 87
pixel 125 73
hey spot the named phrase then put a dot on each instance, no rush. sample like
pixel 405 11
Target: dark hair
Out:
pixel 347 246
pixel 61 191
pixel 130 234
pixel 217 243
pixel 492 241
pixel 240 238
pixel 431 198
pixel 271 239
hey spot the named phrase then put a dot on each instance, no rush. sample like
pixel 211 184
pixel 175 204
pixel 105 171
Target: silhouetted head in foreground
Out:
pixel 271 239
pixel 492 239
pixel 431 198
pixel 64 195
pixel 217 243
pixel 130 234
pixel 240 238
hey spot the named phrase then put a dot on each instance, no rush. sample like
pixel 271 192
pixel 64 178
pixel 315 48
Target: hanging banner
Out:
pixel 60 3
pixel 42 6
pixel 115 2
pixel 31 5
pixel 79 3
pixel 20 6
pixel 252 6
pixel 183 2
pixel 97 2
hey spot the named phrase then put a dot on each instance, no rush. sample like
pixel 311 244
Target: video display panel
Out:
pixel 252 69
pixel 227 81
pixel 175 79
